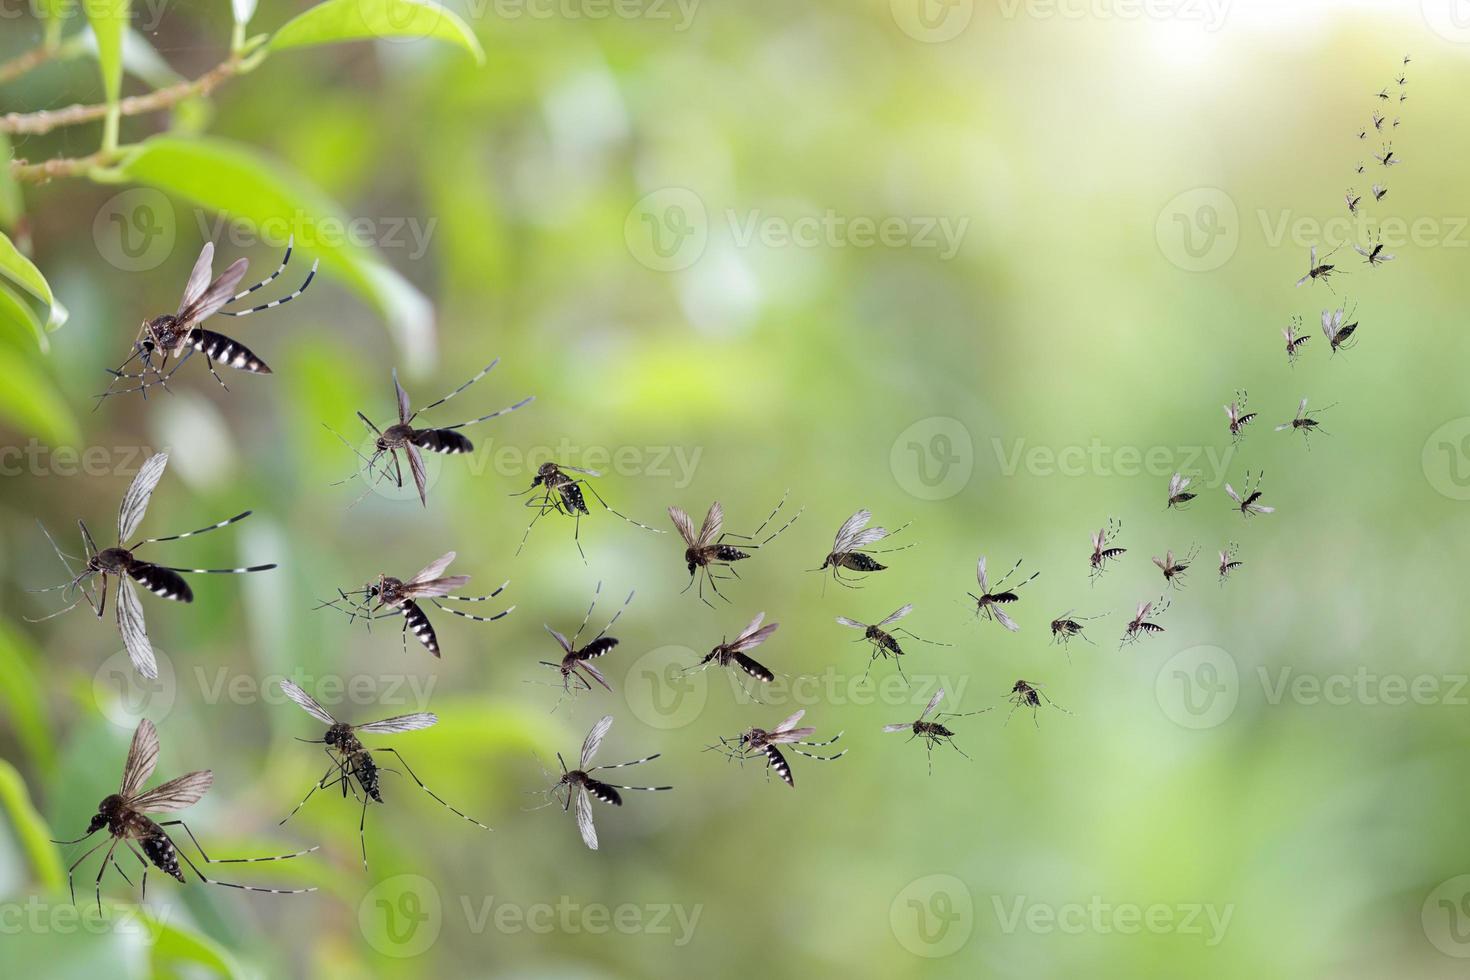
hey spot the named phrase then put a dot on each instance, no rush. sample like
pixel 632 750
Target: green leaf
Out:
pixel 243 186
pixel 173 945
pixel 30 403
pixel 19 321
pixel 21 690
pixel 354 20
pixel 23 272
pixel 31 831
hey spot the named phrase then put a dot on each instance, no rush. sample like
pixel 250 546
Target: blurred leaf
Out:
pixel 32 404
pixel 11 203
pixel 31 830
pixel 23 272
pixel 19 320
pixel 243 186
pixel 21 690
pixel 172 945
pixel 353 20
pixel 244 10
pixel 109 19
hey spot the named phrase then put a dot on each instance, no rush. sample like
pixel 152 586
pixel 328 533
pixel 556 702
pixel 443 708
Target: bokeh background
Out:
pixel 992 269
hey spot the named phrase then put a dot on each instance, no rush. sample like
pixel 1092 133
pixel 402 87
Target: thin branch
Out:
pixel 45 120
pixel 48 170
pixel 22 63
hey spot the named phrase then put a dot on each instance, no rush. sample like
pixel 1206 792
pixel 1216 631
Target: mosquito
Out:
pixel 1238 416
pixel 851 548
pixel 1179 494
pixel 707 550
pixel 1141 625
pixel 1379 192
pixel 580 784
pixel 1319 270
pixel 933 732
pixel 1377 120
pixel 575 666
pixel 1103 549
pixel 1339 335
pixel 400 598
pixel 733 652
pixel 1373 255
pixel 1249 504
pixel 119 561
pixel 1174 568
pixel 1295 338
pixel 563 495
pixel 989 601
pixel 1027 694
pixel 1359 167
pixel 1387 157
pixel 180 334
pixel 1228 561
pixel 401 436
pixel 1066 627
pixel 1304 423
pixel 1402 80
pixel 1353 198
pixel 125 815
pixel 883 641
pixel 758 741
pixel 1383 94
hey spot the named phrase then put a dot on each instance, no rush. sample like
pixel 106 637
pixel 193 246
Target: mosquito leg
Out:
pixel 426 789
pixel 593 490
pixel 230 884
pixel 71 884
pixel 319 784
pixel 106 860
pixel 210 860
pixel 143 896
pixel 209 363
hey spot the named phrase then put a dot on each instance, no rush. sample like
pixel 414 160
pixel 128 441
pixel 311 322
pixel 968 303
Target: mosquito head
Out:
pixel 339 736
pixel 545 473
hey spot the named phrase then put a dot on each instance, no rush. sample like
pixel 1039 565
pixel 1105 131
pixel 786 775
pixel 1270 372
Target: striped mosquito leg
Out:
pixel 464 615
pixel 244 888
pixel 479 598
pixel 275 302
pixel 210 860
pixel 610 622
pixel 818 745
pixel 106 860
pixel 426 789
pixel 615 513
pixel 290 244
pixel 495 414
pixel 646 789
pixel 819 758
pixel 484 371
pixel 190 534
pixel 75 864
pixel 218 571
pixel 624 765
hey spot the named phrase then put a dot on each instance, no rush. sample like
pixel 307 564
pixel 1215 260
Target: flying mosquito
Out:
pixel 707 550
pixel 575 666
pixel 1141 625
pixel 1319 270
pixel 1353 198
pixel 125 815
pixel 351 760
pixel 733 652
pixel 161 580
pixel 1295 338
pixel 180 334
pixel 1379 192
pixel 401 436
pixel 1066 627
pixel 851 548
pixel 989 601
pixel 1174 568
pixel 1249 504
pixel 400 598
pixel 562 494
pixel 1027 694
pixel 884 643
pixel 1359 167
pixel 933 732
pixel 1179 494
pixel 1304 423
pixel 1362 134
pixel 1383 94
pixel 580 784
pixel 1238 416
pixel 1339 335
pixel 1228 561
pixel 1377 120
pixel 1103 549
pixel 758 741
pixel 1387 157
pixel 1373 255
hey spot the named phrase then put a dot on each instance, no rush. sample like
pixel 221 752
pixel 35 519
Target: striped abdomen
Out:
pixel 415 620
pixel 441 441
pixel 602 791
pixel 859 562
pixel 366 771
pixel 218 347
pixel 160 850
pixel 161 581
pixel 778 762
pixel 572 499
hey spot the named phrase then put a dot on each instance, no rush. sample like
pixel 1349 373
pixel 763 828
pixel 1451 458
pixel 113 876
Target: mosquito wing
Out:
pixel 852 623
pixel 848 532
pixel 401 723
pixel 933 703
pixel 1161 562
pixel 593 741
pixel 1231 491
pixel 1003 619
pixel 755 624
pixel 583 806
pixel 220 292
pixel 198 279
pixel 433 569
pixel 1143 609
pixel 896 615
pixel 684 526
pixel 713 521
pixel 980 576
pixel 565 643
pixel 902 726
pixel 176 794
pixel 135 501
pixel 134 632
pixel 789 723
pixel 142 759
pixel 416 467
pixel 403 408
pixel 870 536
pixel 308 703
pixel 436 587
pixel 1174 484
pixel 578 469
